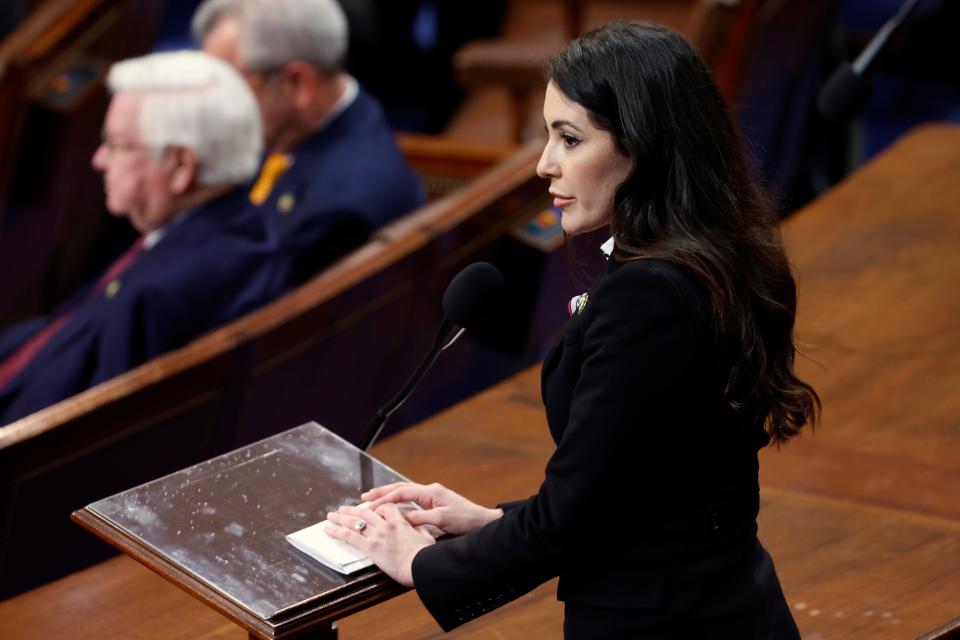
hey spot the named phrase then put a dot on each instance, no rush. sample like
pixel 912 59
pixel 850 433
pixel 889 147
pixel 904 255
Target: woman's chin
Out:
pixel 577 228
pixel 570 227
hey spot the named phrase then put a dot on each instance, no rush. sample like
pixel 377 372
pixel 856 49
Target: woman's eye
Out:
pixel 569 140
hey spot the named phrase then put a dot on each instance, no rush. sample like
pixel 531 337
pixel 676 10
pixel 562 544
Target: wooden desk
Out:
pixel 861 517
pixel 879 266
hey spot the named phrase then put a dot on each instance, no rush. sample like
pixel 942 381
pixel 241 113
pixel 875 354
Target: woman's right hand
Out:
pixel 444 509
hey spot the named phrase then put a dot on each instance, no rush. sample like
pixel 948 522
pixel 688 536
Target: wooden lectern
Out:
pixel 217 530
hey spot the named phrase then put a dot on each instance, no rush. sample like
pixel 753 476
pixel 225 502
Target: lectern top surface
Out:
pixel 224 520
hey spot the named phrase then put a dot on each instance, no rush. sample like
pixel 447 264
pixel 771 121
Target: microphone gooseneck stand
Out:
pixel 441 343
pixel 849 87
pixel 468 301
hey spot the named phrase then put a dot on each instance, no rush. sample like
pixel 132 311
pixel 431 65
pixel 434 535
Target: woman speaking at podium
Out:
pixel 675 368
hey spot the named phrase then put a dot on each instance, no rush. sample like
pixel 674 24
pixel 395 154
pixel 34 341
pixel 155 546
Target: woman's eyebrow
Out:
pixel 556 124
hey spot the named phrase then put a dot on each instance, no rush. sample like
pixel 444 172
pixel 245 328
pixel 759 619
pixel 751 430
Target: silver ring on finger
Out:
pixel 360 525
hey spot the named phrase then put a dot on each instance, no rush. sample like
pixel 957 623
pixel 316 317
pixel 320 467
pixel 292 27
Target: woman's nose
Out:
pixel 547 166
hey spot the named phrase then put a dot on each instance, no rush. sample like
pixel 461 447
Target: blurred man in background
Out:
pixel 181 135
pixel 333 172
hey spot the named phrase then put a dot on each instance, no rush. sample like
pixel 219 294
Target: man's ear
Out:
pixel 183 169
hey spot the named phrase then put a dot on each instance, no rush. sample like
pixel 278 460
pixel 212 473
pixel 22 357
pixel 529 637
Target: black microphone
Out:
pixel 470 299
pixel 850 86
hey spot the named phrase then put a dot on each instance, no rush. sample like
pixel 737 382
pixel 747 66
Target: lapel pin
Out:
pixel 577 304
pixel 286 202
pixel 112 289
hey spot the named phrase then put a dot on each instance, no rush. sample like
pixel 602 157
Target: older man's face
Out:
pixel 137 184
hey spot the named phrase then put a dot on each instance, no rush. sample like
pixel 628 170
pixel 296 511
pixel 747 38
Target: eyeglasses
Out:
pixel 260 78
pixel 115 148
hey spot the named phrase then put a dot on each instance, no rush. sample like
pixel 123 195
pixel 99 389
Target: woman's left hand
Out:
pixel 386 538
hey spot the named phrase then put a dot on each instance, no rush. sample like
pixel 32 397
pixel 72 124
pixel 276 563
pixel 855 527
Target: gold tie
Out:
pixel 273 168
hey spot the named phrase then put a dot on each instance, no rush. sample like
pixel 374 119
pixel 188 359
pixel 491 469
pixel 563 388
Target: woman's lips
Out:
pixel 561 201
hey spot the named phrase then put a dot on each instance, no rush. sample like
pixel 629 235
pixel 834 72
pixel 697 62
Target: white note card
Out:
pixel 335 554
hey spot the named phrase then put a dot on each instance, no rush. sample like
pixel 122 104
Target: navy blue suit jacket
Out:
pixel 347 179
pixel 647 509
pixel 221 261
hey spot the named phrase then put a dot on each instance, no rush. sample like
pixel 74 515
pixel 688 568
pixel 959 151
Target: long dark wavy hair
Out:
pixel 691 200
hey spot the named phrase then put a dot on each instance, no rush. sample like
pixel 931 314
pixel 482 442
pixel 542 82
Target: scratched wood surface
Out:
pixel 862 517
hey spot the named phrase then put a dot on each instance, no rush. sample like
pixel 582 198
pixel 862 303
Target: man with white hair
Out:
pixel 181 135
pixel 333 172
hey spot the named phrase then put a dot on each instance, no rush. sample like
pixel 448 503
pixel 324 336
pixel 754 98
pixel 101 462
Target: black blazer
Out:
pixel 648 507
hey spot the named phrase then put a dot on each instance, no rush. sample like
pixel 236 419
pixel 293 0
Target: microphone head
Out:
pixel 473 295
pixel 844 94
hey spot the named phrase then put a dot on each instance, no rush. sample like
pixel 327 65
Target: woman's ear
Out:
pixel 183 169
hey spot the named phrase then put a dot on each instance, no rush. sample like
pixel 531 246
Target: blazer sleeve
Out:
pixel 637 347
